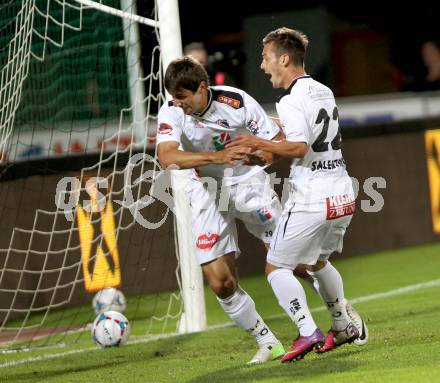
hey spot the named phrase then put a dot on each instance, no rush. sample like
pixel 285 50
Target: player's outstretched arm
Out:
pixel 263 157
pixel 277 121
pixel 281 147
pixel 169 154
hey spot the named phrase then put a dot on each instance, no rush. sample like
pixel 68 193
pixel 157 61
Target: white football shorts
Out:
pixel 307 235
pixel 213 214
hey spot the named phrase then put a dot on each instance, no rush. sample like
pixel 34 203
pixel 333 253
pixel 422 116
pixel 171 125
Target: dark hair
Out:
pixel 185 73
pixel 288 41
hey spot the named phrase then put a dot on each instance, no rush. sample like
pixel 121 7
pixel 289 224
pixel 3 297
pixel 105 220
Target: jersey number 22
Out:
pixel 320 145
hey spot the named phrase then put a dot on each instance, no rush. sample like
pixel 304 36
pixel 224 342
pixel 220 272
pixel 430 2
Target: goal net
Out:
pixel 81 85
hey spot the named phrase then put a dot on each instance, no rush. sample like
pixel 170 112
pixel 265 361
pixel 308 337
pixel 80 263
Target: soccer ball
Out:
pixel 108 299
pixel 110 329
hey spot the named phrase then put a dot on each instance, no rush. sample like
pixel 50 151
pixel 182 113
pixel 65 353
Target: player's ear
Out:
pixel 203 86
pixel 285 60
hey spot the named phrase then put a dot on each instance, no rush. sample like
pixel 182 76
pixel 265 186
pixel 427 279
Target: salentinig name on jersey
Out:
pixel 328 164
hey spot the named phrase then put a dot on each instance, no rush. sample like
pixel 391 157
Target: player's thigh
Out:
pixel 298 238
pixel 214 233
pixel 334 239
pixel 257 206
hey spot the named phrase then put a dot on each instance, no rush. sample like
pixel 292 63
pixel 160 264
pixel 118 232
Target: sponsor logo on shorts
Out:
pixel 228 100
pixel 207 241
pixel 264 214
pixel 165 128
pixel 340 206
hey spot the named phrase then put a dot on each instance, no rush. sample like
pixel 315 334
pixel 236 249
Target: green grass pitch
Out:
pixel 404 337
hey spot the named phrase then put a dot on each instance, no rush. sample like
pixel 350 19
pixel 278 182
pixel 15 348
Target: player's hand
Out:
pixel 233 155
pixel 260 158
pixel 247 140
pixel 256 158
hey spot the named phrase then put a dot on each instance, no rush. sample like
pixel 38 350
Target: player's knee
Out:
pixel 269 268
pixel 301 272
pixel 224 287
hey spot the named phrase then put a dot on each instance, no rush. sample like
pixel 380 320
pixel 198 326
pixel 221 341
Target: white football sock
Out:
pixel 292 299
pixel 331 289
pixel 313 283
pixel 240 307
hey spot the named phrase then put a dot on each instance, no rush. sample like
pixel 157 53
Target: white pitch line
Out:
pixel 367 298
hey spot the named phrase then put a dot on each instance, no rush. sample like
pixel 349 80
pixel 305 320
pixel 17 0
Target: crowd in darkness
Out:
pixel 411 35
pixel 414 43
pixel 425 77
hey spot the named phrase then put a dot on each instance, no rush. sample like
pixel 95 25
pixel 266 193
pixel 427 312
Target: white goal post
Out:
pixel 76 105
pixel 194 313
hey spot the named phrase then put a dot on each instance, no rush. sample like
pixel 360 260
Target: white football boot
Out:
pixel 267 352
pixel 358 322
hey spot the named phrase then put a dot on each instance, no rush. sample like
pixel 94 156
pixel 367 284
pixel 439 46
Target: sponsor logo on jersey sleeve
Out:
pixel 253 127
pixel 229 101
pixel 165 128
pixel 207 240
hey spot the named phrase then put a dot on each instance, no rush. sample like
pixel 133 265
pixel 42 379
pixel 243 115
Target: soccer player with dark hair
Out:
pixel 201 120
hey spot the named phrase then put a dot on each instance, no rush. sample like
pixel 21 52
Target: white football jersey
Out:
pixel 230 112
pixel 308 113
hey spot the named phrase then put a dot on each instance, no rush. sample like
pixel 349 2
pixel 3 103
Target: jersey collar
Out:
pixel 200 114
pixel 289 89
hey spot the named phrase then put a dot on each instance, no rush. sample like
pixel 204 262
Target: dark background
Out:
pixel 355 48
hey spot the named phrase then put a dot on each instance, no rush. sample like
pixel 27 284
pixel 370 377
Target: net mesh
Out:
pixel 75 108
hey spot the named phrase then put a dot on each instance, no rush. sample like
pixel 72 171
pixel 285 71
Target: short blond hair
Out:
pixel 288 41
